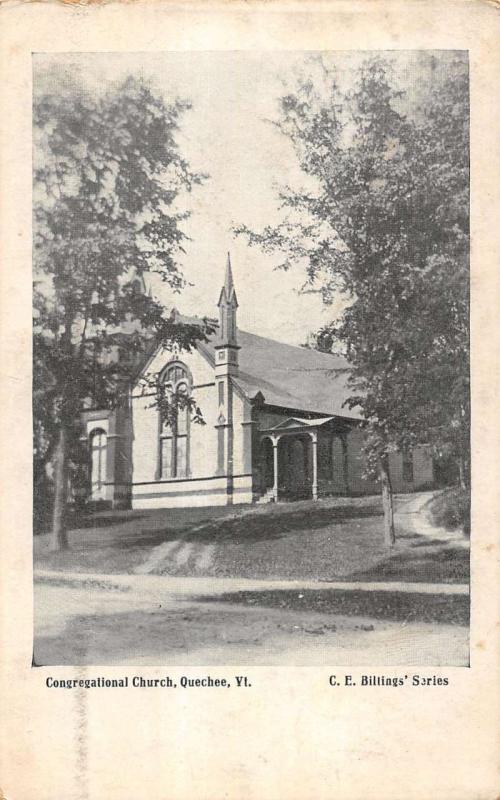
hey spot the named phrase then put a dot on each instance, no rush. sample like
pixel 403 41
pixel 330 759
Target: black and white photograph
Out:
pixel 251 373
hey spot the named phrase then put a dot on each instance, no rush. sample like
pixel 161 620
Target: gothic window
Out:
pixel 173 451
pixel 98 442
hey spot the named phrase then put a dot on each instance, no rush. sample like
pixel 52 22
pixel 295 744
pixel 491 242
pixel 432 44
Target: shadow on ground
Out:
pixel 258 627
pixel 430 563
pixel 250 528
pixel 393 606
pixel 158 632
pixel 96 520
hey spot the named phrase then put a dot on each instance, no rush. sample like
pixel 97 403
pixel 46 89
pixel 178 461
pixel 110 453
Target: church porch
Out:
pixel 303 458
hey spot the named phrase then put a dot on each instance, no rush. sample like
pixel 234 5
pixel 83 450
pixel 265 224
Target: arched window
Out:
pixel 173 451
pixel 98 443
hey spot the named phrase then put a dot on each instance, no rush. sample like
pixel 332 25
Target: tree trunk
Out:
pixel 59 533
pixel 461 473
pixel 464 471
pixel 387 502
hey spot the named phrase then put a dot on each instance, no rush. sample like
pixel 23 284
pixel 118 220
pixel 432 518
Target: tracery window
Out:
pixel 173 451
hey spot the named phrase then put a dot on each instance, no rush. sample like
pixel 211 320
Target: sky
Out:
pixel 228 134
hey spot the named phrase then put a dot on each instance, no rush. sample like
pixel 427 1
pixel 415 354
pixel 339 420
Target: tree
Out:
pixel 108 178
pixel 384 220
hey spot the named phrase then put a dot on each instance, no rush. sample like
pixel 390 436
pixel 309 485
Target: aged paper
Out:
pixel 286 731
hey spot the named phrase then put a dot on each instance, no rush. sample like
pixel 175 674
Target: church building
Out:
pixel 274 429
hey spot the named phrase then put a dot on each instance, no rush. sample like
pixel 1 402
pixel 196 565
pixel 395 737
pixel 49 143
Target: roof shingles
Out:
pixel 291 377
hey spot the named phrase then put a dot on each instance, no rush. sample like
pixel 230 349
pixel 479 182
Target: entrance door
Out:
pixel 293 467
pixel 266 465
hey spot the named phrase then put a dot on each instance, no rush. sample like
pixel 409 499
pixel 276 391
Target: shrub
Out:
pixel 451 509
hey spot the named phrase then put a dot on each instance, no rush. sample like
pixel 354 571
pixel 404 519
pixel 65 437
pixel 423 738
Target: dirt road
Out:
pixel 78 625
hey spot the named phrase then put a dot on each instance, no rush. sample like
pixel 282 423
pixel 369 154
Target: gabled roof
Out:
pixel 290 377
pixel 283 375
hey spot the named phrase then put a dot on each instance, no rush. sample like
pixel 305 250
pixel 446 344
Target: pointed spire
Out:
pixel 228 305
pixel 228 293
pixel 229 283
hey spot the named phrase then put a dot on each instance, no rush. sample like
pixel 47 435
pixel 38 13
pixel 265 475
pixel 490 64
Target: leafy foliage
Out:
pixel 451 509
pixel 384 220
pixel 108 182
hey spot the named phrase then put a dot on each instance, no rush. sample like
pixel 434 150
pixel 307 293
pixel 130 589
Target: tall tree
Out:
pixel 384 220
pixel 108 179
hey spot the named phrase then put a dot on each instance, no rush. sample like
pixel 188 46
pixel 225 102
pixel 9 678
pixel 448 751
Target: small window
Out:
pixel 181 455
pixel 408 466
pixel 166 457
pixel 221 393
pixel 181 427
pixel 98 442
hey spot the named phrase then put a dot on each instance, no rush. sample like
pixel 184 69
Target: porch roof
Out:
pixel 296 424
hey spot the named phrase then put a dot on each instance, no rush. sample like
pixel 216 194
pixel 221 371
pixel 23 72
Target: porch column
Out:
pixel 314 437
pixel 345 462
pixel 275 440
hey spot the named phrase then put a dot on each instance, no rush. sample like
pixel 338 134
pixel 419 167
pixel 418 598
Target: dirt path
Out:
pixel 178 553
pixel 179 586
pixel 412 515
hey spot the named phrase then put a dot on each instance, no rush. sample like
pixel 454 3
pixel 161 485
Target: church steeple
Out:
pixel 228 304
pixel 226 367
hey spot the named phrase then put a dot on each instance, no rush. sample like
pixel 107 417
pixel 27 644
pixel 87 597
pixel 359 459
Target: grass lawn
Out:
pixel 115 542
pixel 322 540
pixel 336 538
